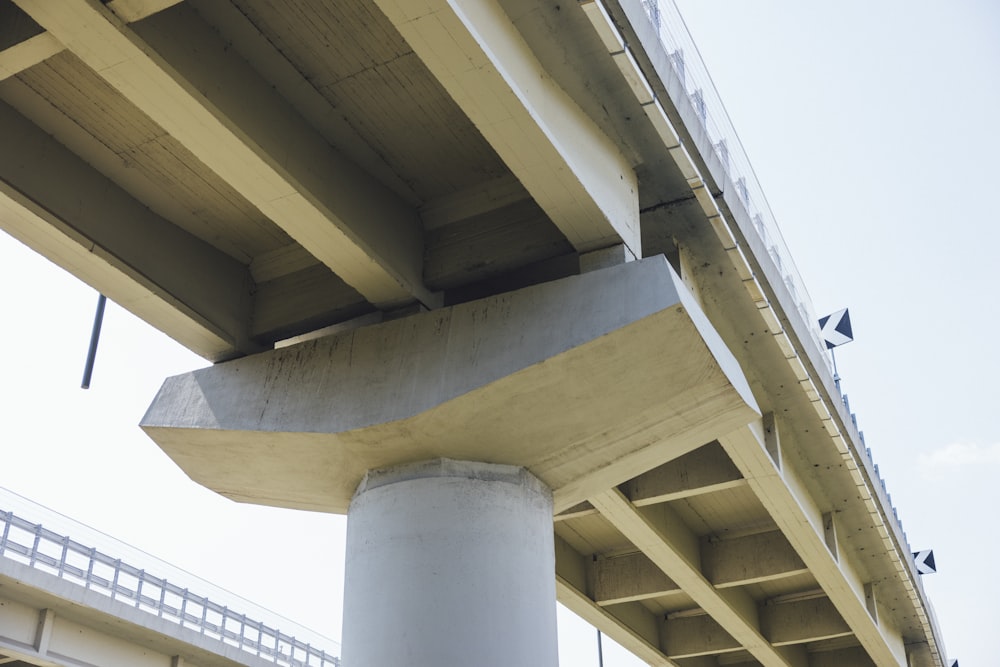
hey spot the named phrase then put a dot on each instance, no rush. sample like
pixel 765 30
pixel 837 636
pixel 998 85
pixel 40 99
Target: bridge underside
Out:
pixel 250 175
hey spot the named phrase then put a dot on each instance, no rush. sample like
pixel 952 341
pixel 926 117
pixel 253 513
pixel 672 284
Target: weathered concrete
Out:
pixel 586 381
pixel 449 563
pixel 572 169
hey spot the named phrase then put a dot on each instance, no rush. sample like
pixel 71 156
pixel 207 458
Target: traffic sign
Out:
pixel 924 560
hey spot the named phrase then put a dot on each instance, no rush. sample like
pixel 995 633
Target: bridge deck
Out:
pixel 62 600
pixel 241 174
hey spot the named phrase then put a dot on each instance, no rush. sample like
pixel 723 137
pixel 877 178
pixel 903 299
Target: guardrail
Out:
pixel 690 69
pixel 40 548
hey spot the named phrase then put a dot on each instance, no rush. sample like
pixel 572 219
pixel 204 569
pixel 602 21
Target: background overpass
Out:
pixel 78 597
pixel 691 204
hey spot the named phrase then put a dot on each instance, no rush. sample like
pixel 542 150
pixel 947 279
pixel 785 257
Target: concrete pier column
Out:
pixel 450 563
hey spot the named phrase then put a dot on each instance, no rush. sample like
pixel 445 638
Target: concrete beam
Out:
pixel 28 53
pixel 79 226
pixel 726 564
pixel 704 470
pixel 920 655
pixel 189 83
pixel 43 634
pixel 628 578
pixel 750 559
pixel 693 636
pixel 801 621
pixel 575 173
pixel 20 54
pixel 800 518
pixel 674 548
pixel 633 627
pixel 308 420
pixel 136 10
pixel 855 656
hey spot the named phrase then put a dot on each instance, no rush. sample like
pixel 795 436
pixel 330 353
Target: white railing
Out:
pixel 55 553
pixel 691 71
pixel 698 86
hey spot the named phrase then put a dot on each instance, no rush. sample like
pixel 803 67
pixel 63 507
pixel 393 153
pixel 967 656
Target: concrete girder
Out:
pixel 855 656
pixel 197 91
pixel 694 636
pixel 674 548
pixel 629 577
pixel 801 621
pixel 30 52
pixel 136 10
pixel 725 563
pixel 786 624
pixel 749 559
pixel 310 419
pixel 705 470
pixel 632 626
pixel 207 307
pixel 33 50
pixel 246 38
pixel 800 518
pixel 575 173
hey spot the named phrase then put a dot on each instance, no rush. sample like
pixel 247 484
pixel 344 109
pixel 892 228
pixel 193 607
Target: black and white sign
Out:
pixel 836 328
pixel 924 560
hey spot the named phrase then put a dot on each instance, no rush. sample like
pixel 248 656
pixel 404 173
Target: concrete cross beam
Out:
pixel 750 559
pixel 18 51
pixel 663 537
pixel 206 307
pixel 705 470
pixel 630 577
pixel 626 347
pixel 575 173
pixel 634 627
pixel 694 636
pixel 799 516
pixel 728 563
pixel 196 90
pixel 801 621
pixel 27 53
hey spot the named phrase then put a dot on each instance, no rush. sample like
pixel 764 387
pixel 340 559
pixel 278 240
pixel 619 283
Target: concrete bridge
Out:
pixel 69 603
pixel 464 267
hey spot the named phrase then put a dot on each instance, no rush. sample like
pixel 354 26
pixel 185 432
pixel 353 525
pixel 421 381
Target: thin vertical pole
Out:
pixel 95 335
pixel 600 650
pixel 836 374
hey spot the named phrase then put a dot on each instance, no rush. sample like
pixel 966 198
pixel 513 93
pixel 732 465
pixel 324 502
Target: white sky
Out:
pixel 872 128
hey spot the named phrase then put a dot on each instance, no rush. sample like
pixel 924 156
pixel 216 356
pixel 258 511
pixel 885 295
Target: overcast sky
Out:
pixel 872 128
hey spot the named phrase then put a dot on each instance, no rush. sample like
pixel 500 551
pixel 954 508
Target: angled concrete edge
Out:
pixel 585 381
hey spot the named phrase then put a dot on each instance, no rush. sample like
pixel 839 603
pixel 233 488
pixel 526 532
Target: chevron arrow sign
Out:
pixel 924 560
pixel 836 328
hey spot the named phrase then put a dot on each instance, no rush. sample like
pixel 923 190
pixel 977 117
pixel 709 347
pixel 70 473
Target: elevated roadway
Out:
pixel 67 603
pixel 494 231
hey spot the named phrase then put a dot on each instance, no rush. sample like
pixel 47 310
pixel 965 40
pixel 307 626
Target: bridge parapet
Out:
pixel 169 596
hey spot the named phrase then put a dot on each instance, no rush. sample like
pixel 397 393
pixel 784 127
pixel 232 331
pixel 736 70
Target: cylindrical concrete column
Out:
pixel 449 564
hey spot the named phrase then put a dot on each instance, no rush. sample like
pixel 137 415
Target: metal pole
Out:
pixel 600 650
pixel 836 375
pixel 95 335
